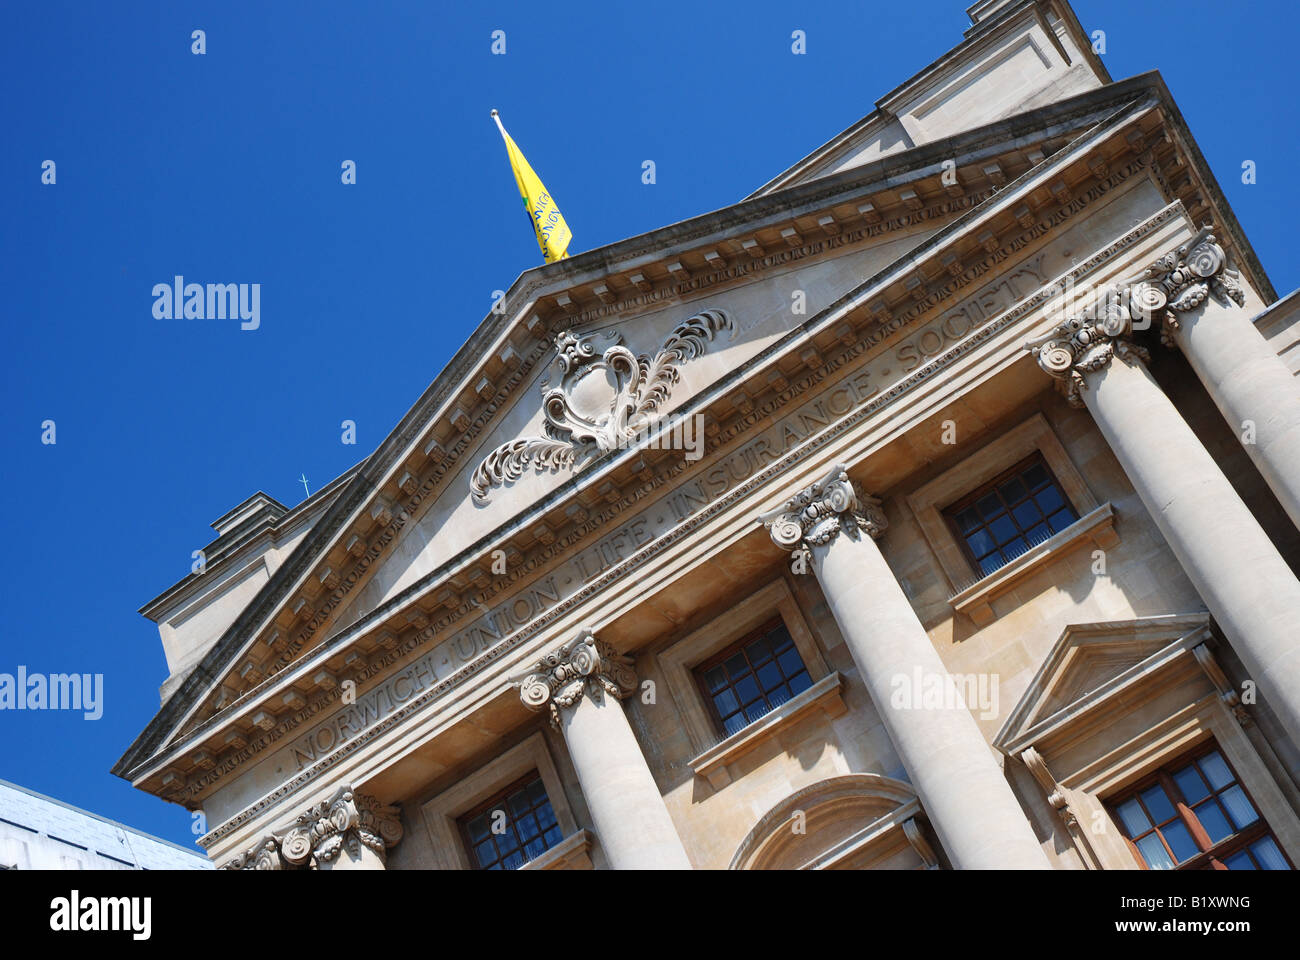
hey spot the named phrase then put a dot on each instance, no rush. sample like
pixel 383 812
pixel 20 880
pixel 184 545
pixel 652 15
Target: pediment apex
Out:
pixel 1091 661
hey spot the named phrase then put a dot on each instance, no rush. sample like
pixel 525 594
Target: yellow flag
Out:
pixel 553 234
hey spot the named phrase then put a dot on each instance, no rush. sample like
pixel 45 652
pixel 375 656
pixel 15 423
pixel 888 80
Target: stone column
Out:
pixel 581 685
pixel 1193 291
pixel 1245 583
pixel 951 765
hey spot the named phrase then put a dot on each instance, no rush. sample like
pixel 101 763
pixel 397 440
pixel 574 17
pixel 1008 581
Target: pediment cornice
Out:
pixel 399 477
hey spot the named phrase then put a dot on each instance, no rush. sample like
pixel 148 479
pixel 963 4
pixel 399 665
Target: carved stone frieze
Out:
pixel 820 512
pixel 584 666
pixel 321 832
pixel 1176 283
pixel 598 396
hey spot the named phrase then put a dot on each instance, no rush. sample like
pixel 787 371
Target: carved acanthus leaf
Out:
pixel 658 376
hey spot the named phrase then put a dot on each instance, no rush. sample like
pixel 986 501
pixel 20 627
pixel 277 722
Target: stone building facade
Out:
pixel 933 507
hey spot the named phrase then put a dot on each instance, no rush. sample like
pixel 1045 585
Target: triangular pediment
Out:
pixel 872 249
pixel 1091 661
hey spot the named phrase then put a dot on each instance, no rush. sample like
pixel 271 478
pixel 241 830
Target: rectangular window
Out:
pixel 513 827
pixel 1013 512
pixel 1194 814
pixel 753 676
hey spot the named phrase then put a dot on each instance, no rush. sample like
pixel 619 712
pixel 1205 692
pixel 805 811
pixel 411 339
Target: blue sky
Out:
pixel 226 167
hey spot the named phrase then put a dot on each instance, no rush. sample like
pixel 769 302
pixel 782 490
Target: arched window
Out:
pixel 859 821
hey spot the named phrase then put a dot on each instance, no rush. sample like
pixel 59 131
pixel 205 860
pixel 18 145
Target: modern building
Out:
pixel 40 833
pixel 933 507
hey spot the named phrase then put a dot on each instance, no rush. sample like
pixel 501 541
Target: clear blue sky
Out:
pixel 226 168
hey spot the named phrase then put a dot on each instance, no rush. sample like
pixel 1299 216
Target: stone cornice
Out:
pixel 886 106
pixel 236 544
pixel 853 306
pixel 419 705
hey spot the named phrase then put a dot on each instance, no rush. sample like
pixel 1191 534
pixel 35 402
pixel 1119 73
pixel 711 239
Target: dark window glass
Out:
pixel 1010 514
pixel 753 676
pixel 515 826
pixel 1193 814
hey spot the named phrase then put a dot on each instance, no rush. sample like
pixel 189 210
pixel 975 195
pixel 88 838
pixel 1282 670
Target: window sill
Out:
pixel 712 763
pixel 571 853
pixel 976 600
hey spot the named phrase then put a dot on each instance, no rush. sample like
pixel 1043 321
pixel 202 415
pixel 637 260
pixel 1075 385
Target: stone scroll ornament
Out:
pixel 817 514
pixel 598 396
pixel 583 667
pixel 1178 282
pixel 320 833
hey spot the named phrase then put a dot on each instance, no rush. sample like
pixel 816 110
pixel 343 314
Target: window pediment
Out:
pixel 1090 664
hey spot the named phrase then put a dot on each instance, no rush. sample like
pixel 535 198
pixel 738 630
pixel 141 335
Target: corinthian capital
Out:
pixel 584 666
pixel 1182 279
pixel 1084 345
pixel 1176 283
pixel 348 818
pixel 818 513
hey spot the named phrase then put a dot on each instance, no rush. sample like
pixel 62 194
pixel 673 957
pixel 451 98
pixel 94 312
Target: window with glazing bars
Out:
pixel 1194 814
pixel 752 677
pixel 513 827
pixel 1014 511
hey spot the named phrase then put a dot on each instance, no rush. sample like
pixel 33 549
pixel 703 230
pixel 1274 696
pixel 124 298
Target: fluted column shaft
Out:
pixel 951 765
pixel 582 684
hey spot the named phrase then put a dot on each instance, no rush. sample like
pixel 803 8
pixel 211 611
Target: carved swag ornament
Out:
pixel 604 397
pixel 317 836
pixel 818 513
pixel 582 667
pixel 1176 283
